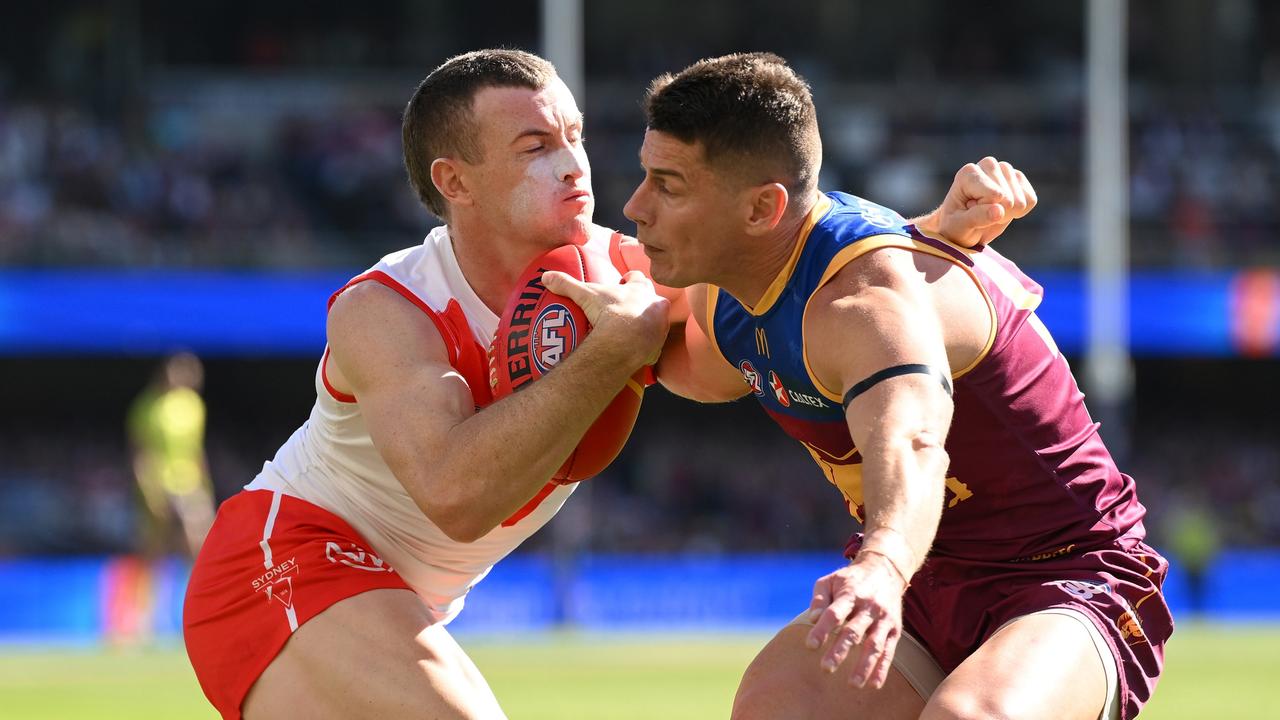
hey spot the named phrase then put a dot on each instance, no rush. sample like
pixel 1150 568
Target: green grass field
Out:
pixel 1227 672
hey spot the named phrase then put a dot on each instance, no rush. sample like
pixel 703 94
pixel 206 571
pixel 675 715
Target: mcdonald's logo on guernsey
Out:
pixel 762 342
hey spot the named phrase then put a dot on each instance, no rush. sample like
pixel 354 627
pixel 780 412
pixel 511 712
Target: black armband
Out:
pixel 893 372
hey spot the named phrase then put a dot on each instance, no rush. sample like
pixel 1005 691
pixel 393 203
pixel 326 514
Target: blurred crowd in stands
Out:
pixel 270 141
pixel 327 188
pixel 321 190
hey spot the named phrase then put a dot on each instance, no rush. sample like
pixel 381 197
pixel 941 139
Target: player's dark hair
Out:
pixel 439 119
pixel 750 110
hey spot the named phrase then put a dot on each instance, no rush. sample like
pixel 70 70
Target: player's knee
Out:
pixel 756 694
pixel 761 706
pixel 968 704
pixel 767 692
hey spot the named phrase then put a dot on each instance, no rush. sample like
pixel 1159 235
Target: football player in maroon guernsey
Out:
pixel 1002 570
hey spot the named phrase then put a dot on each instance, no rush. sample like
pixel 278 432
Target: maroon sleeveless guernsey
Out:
pixel 1030 478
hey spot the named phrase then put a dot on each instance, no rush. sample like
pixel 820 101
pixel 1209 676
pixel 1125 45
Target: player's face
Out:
pixel 534 182
pixel 680 210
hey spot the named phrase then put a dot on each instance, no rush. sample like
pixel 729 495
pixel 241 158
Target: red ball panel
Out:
pixel 538 329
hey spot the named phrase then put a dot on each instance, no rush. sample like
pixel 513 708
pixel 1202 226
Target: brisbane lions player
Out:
pixel 1003 556
pixel 324 588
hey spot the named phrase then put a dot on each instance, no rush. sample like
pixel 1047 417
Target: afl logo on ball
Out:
pixel 554 335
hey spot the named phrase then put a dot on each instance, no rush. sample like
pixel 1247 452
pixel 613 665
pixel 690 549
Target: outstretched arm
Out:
pixel 880 312
pixel 983 199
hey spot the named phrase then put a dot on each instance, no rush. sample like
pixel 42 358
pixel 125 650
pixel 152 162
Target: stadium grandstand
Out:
pixel 200 177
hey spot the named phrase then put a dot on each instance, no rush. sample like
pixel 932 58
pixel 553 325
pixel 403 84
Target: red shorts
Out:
pixel 953 606
pixel 271 562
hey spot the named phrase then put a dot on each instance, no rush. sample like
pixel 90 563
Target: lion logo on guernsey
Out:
pixel 752 377
pixel 554 335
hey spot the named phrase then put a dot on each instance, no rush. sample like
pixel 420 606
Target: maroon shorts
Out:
pixel 271 562
pixel 954 605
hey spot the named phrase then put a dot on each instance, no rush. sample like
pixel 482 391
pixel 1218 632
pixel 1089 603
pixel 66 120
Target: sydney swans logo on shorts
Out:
pixel 554 335
pixel 277 582
pixel 752 377
pixel 355 557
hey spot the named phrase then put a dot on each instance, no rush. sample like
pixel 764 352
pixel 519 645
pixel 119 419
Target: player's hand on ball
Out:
pixel 862 605
pixel 984 198
pixel 630 313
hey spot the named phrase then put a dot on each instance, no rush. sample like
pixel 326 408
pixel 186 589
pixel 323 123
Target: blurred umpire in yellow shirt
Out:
pixel 166 432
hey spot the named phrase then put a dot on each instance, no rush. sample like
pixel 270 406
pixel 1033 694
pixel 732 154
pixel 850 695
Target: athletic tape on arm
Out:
pixel 893 372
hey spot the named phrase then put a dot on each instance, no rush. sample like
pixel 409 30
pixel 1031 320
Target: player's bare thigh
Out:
pixel 1039 666
pixel 373 655
pixel 785 682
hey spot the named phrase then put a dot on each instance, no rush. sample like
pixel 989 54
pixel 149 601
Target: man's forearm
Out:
pixel 500 457
pixel 903 485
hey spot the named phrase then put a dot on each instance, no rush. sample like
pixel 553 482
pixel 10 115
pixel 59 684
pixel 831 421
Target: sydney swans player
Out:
pixel 1002 572
pixel 325 586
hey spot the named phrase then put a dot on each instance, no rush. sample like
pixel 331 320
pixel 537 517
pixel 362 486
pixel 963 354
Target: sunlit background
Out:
pixel 201 176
